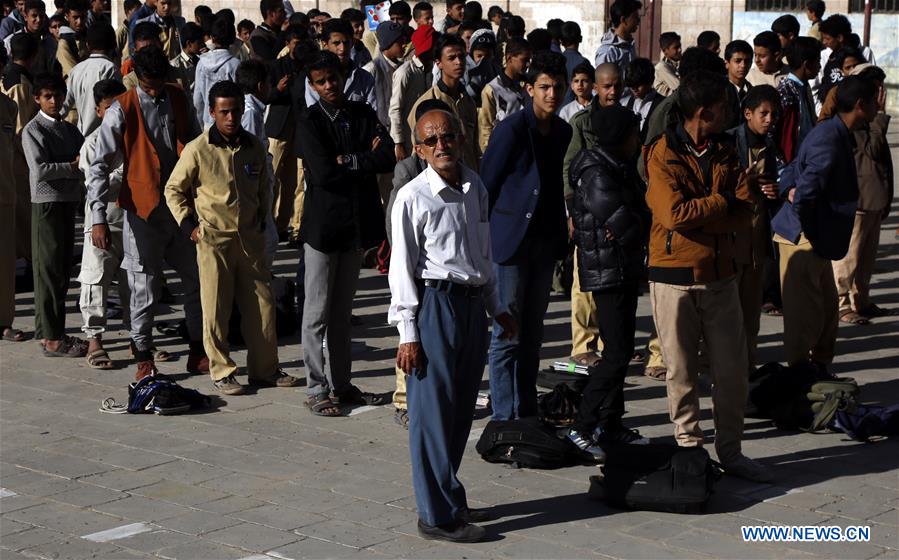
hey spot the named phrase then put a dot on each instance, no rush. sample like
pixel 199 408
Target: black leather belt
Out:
pixel 453 288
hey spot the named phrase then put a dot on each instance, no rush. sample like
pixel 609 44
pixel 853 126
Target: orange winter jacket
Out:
pixel 691 240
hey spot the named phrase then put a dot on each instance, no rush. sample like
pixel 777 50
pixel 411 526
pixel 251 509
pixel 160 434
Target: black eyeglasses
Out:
pixel 448 138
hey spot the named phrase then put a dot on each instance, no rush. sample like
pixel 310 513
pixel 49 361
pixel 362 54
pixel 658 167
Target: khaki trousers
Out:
pixel 811 313
pixel 683 315
pixel 749 283
pixel 284 165
pixel 584 330
pixel 228 275
pixel 7 264
pixel 852 273
pixel 399 395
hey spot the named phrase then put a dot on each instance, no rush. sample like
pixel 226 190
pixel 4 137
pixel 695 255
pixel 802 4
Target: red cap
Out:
pixel 423 39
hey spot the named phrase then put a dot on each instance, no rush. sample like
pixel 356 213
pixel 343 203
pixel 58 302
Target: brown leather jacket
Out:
pixel 691 240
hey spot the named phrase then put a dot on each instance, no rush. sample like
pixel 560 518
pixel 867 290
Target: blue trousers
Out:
pixel 441 399
pixel 524 287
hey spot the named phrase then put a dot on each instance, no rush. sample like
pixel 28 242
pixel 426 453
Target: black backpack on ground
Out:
pixel 802 397
pixel 527 443
pixel 548 379
pixel 656 477
pixel 559 406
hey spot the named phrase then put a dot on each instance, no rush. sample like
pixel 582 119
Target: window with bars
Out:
pixel 775 5
pixel 881 6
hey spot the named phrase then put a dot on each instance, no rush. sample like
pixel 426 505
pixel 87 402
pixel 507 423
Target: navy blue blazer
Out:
pixel 826 195
pixel 509 171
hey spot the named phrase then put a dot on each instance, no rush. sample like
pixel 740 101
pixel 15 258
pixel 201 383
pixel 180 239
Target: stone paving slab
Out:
pixel 260 478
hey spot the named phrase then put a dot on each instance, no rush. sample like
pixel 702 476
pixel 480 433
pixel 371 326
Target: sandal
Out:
pixel 99 359
pixel 321 404
pixel 771 310
pixel 854 318
pixel 401 417
pixel 655 372
pixel 13 335
pixel 587 359
pixel 68 348
pixel 355 396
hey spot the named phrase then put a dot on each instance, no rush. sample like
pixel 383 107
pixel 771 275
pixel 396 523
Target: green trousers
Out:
pixel 52 244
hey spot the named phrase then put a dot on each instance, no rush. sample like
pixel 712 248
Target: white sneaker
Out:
pixel 585 443
pixel 746 468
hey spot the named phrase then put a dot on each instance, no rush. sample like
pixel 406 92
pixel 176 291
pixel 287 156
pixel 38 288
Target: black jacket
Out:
pixel 285 105
pixel 608 197
pixel 342 208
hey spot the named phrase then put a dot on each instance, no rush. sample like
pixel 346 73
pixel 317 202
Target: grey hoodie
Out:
pixel 614 49
pixel 215 66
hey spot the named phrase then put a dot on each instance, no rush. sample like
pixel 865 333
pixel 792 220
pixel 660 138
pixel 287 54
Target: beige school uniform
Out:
pixel 224 188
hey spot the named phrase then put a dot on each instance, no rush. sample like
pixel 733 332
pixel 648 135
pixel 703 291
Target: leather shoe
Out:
pixel 459 532
pixel 475 515
pixel 197 363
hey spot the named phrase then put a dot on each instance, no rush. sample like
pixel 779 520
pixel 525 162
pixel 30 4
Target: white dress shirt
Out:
pixel 439 233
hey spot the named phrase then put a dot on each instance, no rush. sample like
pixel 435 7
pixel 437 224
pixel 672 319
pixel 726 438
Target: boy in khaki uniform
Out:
pixel 218 192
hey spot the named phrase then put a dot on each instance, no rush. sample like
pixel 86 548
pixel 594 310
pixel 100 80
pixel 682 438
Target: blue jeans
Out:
pixel 524 288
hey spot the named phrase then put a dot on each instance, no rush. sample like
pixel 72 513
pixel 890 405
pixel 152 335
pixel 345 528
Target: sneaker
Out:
pixel 197 362
pixel 460 532
pixel 585 443
pixel 229 386
pixel 618 435
pixel 746 468
pixel 401 417
pixel 279 379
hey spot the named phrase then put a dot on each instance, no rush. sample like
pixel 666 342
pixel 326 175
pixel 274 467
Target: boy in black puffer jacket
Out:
pixel 610 229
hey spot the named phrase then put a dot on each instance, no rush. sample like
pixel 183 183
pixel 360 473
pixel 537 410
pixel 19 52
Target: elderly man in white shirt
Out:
pixel 442 288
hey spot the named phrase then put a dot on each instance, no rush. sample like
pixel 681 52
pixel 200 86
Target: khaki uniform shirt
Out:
pixel 221 187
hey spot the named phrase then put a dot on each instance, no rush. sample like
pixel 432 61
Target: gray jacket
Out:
pixel 215 66
pixel 50 147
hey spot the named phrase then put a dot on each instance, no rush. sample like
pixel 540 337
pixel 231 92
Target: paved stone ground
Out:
pixel 262 478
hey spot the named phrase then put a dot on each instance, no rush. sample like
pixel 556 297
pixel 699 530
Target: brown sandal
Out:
pixel 854 318
pixel 99 359
pixel 655 372
pixel 321 404
pixel 13 335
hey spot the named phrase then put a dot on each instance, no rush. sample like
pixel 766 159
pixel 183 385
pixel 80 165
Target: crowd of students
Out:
pixel 481 151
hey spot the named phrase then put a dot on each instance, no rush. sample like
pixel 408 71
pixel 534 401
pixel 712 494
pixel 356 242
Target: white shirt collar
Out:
pixel 48 117
pixel 437 184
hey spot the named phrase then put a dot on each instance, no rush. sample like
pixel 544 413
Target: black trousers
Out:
pixel 602 403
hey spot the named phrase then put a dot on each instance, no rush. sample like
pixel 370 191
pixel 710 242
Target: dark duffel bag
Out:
pixel 527 443
pixel 548 379
pixel 656 478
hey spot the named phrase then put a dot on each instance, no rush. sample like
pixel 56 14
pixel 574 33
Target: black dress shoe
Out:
pixel 475 515
pixel 459 532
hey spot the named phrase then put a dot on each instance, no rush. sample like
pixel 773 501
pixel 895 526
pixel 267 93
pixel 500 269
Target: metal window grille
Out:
pixel 880 6
pixel 775 5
